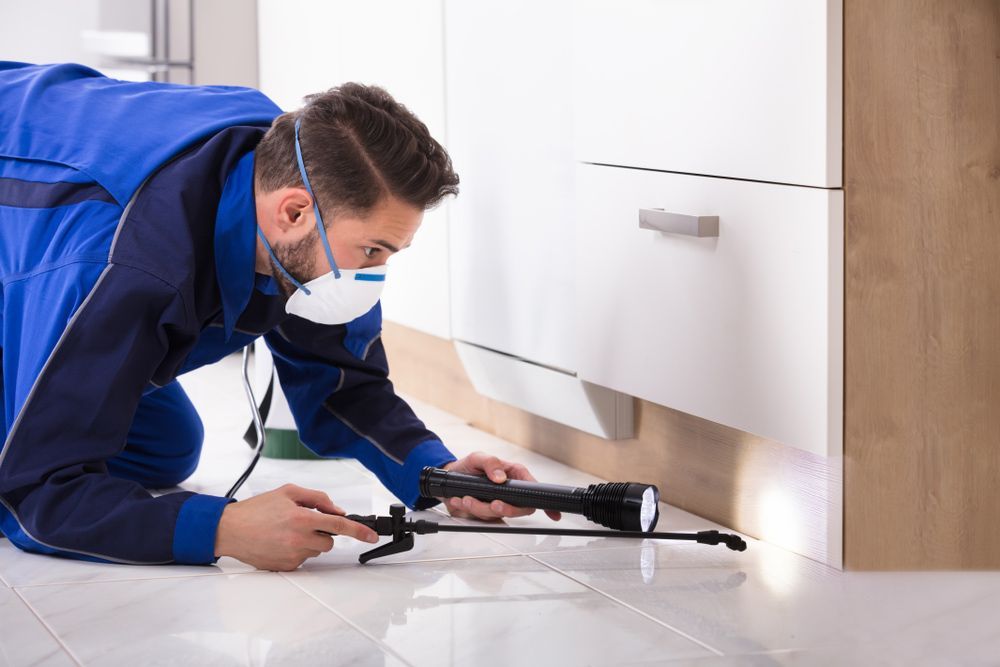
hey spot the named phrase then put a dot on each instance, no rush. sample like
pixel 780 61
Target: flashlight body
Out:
pixel 618 505
pixel 513 491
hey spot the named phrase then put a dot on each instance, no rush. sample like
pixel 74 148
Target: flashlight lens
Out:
pixel 648 511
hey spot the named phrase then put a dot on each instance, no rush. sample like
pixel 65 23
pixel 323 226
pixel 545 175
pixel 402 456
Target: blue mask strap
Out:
pixel 267 245
pixel 319 220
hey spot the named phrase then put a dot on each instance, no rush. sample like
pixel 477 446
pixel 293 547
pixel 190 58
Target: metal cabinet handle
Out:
pixel 677 223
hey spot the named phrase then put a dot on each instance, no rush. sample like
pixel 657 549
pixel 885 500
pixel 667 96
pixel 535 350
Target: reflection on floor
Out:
pixel 477 599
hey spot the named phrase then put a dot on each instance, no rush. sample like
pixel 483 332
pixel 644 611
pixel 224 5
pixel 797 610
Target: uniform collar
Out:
pixel 235 242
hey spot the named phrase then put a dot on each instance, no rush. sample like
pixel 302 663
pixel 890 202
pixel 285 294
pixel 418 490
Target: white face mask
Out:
pixel 332 300
pixel 336 297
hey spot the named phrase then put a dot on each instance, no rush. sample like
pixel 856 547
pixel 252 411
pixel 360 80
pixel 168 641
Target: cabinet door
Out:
pixel 718 87
pixel 308 46
pixel 743 328
pixel 509 113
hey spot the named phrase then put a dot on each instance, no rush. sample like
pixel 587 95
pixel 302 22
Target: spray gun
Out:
pixel 627 507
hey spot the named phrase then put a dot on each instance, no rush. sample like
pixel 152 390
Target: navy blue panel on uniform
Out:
pixel 125 264
pixel 34 194
pixel 164 442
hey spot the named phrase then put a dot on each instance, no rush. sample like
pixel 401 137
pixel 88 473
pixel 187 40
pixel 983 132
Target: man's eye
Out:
pixel 370 252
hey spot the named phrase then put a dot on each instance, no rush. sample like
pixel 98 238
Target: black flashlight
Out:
pixel 618 505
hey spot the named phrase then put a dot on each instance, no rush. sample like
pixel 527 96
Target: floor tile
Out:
pixel 875 654
pixel 229 620
pixel 491 611
pixel 536 544
pixel 23 638
pixel 767 599
pixel 785 658
pixel 20 568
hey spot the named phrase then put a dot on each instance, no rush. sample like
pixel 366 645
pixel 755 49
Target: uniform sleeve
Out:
pixel 81 343
pixel 336 381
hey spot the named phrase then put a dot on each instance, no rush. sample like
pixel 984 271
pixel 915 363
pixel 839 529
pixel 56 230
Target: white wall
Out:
pixel 46 31
pixel 308 47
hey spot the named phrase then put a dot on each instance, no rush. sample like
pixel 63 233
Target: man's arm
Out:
pixel 82 341
pixel 336 381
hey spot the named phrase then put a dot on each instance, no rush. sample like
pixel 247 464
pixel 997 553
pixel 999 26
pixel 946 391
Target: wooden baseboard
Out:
pixel 761 488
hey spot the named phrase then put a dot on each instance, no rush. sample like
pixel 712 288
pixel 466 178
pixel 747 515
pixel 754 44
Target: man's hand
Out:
pixel 278 530
pixel 498 471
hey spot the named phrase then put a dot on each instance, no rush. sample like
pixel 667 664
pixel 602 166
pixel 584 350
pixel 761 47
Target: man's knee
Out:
pixel 164 444
pixel 187 438
pixel 188 462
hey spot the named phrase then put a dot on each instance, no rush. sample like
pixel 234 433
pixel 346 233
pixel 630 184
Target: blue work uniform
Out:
pixel 127 254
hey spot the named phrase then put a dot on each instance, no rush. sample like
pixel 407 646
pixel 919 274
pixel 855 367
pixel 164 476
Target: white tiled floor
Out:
pixel 477 599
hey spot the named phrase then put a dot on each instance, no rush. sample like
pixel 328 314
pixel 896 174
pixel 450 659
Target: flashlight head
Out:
pixel 649 510
pixel 623 505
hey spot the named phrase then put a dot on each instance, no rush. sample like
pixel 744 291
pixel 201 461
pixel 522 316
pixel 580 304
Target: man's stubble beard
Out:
pixel 298 259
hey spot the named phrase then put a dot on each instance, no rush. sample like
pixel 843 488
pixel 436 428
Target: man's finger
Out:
pixel 506 509
pixel 338 525
pixel 456 508
pixel 319 542
pixel 518 471
pixel 478 508
pixel 495 469
pixel 314 499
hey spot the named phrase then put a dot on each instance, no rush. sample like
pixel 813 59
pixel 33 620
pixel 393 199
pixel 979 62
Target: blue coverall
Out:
pixel 127 254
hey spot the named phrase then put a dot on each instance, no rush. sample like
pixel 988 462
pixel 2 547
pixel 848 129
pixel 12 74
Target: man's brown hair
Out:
pixel 358 145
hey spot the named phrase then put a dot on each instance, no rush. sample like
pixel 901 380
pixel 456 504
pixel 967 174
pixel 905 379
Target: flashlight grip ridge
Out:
pixel 515 492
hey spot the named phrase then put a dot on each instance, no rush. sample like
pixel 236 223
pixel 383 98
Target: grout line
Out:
pixel 48 628
pixel 385 647
pixel 125 579
pixel 628 606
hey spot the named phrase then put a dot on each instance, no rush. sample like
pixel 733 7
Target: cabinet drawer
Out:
pixel 744 328
pixel 717 87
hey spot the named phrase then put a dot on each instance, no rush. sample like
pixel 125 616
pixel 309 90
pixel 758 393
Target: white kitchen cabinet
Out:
pixel 512 229
pixel 509 110
pixel 744 328
pixel 308 46
pixel 729 88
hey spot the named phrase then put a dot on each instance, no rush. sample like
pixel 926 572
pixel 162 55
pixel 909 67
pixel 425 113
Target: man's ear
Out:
pixel 294 210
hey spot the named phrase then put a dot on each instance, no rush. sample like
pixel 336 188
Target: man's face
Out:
pixel 288 221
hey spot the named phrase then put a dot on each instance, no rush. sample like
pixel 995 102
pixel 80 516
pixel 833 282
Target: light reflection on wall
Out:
pixel 780 524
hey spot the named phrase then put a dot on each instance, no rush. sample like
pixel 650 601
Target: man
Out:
pixel 147 229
